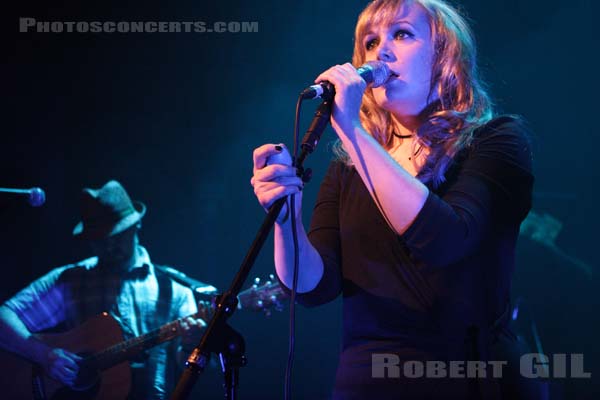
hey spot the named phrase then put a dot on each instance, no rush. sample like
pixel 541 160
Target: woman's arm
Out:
pixel 274 181
pixel 398 195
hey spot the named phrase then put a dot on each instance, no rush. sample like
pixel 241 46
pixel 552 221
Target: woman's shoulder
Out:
pixel 339 176
pixel 509 127
pixel 506 137
pixel 339 169
pixel 500 153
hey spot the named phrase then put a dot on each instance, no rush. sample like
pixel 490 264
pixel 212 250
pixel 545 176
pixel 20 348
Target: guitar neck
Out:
pixel 130 348
pixel 257 298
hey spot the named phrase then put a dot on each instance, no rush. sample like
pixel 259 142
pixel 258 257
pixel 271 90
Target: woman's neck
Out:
pixel 405 126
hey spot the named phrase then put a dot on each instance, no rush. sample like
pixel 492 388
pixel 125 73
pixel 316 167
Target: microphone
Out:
pixel 375 73
pixel 34 196
pixel 196 286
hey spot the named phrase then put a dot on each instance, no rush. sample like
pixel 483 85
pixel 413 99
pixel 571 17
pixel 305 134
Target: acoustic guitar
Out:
pixel 104 371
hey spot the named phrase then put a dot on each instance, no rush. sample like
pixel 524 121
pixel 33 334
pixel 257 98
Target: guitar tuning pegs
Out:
pixel 278 305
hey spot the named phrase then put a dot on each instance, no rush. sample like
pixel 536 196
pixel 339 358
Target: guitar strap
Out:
pixel 163 312
pixel 165 295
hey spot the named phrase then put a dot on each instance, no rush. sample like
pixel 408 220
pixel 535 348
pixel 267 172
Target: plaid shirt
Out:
pixel 139 299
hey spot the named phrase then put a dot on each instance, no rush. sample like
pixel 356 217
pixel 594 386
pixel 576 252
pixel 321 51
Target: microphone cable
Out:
pixel 292 319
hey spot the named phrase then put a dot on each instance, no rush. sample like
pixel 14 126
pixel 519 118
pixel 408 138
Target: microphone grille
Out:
pixel 37 197
pixel 381 72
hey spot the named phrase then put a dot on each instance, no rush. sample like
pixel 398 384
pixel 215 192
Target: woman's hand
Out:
pixel 274 177
pixel 349 90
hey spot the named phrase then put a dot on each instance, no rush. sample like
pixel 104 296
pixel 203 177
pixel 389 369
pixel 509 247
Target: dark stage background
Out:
pixel 175 116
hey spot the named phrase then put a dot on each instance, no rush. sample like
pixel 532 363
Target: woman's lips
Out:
pixel 393 76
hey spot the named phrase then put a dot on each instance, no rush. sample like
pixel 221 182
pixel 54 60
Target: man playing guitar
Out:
pixel 121 284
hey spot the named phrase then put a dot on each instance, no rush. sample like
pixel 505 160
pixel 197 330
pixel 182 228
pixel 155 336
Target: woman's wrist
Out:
pixel 349 131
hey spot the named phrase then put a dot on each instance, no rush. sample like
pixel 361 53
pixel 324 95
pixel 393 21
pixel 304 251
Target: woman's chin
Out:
pixel 398 107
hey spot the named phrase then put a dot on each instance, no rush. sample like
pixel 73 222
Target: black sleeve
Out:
pixel 324 235
pixel 493 186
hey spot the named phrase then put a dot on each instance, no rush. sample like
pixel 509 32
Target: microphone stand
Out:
pixel 219 337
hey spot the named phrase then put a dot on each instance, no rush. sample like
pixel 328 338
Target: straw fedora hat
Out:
pixel 107 211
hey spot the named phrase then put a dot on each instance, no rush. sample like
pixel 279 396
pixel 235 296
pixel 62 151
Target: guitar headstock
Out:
pixel 263 296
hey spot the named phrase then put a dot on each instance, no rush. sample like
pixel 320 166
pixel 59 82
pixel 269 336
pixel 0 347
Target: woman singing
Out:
pixel 417 217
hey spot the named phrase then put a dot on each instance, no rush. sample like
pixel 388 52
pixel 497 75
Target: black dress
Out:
pixel 440 291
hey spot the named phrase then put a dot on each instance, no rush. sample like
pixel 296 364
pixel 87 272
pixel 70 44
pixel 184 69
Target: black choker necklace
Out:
pixel 416 153
pixel 402 136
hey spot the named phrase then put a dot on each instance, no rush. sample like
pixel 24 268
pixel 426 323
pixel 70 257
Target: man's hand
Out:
pixel 62 365
pixel 192 329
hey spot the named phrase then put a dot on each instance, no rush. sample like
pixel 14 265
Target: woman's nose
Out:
pixel 384 53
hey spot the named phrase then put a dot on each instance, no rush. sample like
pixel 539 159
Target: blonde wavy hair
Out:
pixel 462 103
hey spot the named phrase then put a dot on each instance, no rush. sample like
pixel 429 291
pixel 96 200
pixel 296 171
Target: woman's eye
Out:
pixel 402 34
pixel 370 44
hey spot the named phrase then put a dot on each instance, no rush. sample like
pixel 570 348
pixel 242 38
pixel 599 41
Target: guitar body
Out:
pixel 96 334
pixel 101 337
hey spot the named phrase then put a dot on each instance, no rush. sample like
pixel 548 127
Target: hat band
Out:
pixel 101 221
